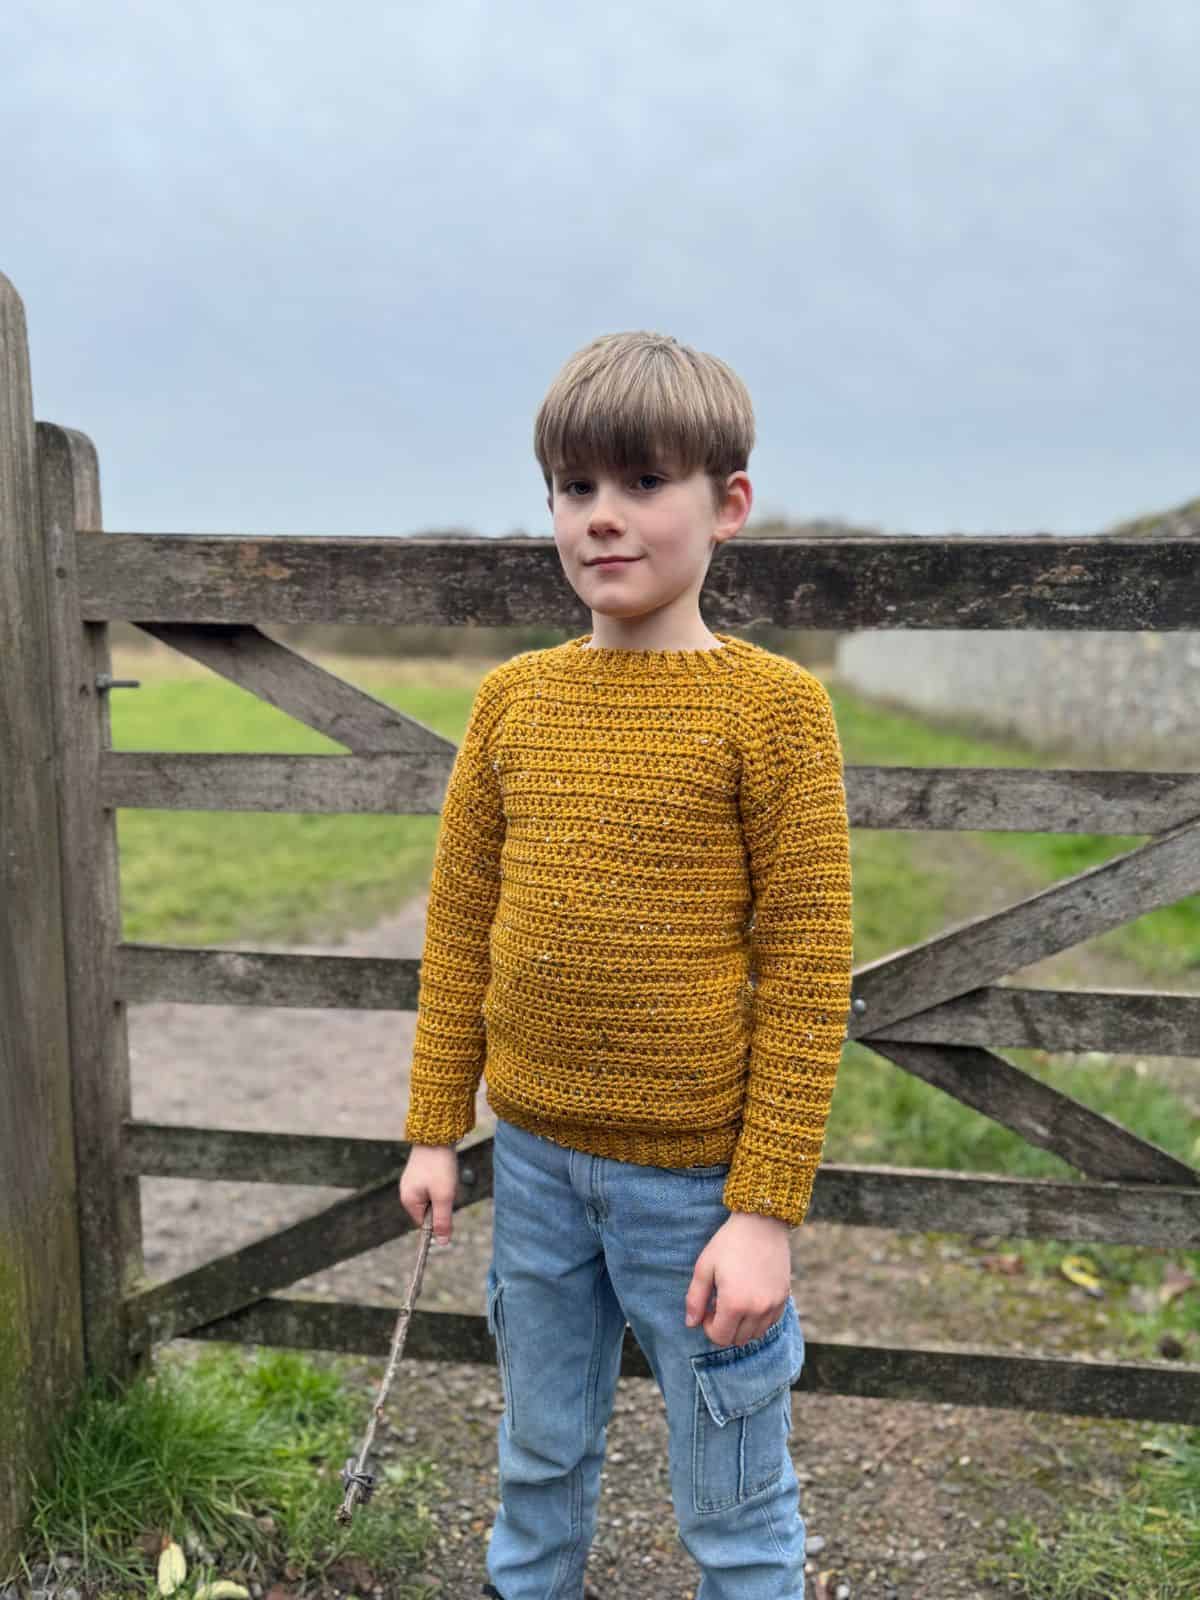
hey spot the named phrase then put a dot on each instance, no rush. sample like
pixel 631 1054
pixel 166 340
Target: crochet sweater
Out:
pixel 638 925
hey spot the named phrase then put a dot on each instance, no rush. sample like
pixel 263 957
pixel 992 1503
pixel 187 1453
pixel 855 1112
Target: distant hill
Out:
pixel 1181 523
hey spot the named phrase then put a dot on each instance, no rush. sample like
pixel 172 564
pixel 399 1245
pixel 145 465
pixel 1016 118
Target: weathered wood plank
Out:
pixel 1152 1392
pixel 1009 1015
pixel 1087 1139
pixel 944 798
pixel 862 581
pixel 165 1150
pixel 1020 799
pixel 1115 1021
pixel 407 785
pixel 913 1199
pixel 929 1200
pixel 294 684
pixel 109 1205
pixel 41 1336
pixel 1158 873
pixel 146 972
pixel 362 1221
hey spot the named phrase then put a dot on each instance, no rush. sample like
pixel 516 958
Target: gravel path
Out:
pixel 902 1500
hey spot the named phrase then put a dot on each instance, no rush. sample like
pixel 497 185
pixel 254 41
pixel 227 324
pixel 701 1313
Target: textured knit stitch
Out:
pixel 638 927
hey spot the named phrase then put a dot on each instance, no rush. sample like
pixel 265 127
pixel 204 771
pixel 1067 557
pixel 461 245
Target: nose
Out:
pixel 605 513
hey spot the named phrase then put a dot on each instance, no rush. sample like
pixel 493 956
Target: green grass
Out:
pixel 1165 943
pixel 197 877
pixel 238 1460
pixel 1140 1541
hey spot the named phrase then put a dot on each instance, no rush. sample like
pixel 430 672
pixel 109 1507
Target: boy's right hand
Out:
pixel 431 1178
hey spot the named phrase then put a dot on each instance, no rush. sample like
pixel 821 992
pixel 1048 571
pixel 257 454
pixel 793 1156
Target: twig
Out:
pixel 359 1482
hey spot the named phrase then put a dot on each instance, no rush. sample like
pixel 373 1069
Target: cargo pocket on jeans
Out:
pixel 495 1323
pixel 743 1415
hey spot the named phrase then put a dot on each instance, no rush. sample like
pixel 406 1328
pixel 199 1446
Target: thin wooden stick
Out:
pixel 359 1482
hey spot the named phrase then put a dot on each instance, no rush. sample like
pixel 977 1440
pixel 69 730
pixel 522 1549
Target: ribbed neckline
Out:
pixel 577 656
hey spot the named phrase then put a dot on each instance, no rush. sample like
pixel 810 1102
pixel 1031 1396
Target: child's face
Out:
pixel 663 522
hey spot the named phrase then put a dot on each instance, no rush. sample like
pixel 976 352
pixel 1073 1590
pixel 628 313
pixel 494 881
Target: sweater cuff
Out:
pixel 768 1188
pixel 440 1119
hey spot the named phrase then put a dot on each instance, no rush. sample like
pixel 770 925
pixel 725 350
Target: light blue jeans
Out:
pixel 581 1245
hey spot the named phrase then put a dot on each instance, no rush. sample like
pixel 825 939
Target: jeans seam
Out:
pixel 569 1555
pixel 502 1351
pixel 743 1492
pixel 770 1522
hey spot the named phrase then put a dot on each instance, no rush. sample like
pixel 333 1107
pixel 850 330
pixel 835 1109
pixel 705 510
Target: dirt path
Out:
pixel 902 1501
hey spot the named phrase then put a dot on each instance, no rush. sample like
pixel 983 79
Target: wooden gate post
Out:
pixel 41 1343
pixel 110 1229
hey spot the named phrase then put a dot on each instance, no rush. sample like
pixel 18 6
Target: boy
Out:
pixel 639 925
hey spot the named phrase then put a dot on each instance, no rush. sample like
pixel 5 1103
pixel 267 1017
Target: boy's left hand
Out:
pixel 747 1264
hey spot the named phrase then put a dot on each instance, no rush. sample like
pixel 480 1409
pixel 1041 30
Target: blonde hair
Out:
pixel 630 399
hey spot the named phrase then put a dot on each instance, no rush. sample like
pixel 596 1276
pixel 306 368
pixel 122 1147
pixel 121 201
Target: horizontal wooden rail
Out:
pixel 1142 1022
pixel 949 799
pixel 382 784
pixel 1149 1392
pixel 1112 1021
pixel 858 581
pixel 911 1199
pixel 199 976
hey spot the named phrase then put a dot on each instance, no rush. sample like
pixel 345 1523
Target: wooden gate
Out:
pixel 938 1010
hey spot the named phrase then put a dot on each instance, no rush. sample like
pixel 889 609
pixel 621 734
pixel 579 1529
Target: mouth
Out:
pixel 611 561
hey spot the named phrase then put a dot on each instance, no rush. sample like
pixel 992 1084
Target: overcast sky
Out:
pixel 309 268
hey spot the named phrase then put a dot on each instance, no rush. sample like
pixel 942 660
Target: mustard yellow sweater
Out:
pixel 639 915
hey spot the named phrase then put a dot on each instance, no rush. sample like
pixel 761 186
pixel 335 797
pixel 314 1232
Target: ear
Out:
pixel 735 505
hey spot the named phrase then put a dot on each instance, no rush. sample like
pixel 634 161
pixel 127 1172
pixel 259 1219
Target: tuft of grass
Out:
pixel 235 1458
pixel 1138 1542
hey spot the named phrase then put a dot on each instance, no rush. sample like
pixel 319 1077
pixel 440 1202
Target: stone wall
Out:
pixel 1117 698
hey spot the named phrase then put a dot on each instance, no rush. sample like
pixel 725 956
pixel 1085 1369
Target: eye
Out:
pixel 574 487
pixel 649 480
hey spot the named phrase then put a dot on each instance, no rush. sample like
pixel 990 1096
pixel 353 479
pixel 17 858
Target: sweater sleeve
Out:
pixel 449 1046
pixel 794 819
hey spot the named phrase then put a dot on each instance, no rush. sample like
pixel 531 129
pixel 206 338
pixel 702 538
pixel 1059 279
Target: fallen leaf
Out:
pixel 353 1572
pixel 1164 1447
pixel 1009 1265
pixel 1176 1281
pixel 172 1567
pixel 1082 1272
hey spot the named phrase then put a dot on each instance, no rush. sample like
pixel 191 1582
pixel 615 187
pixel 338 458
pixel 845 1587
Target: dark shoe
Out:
pixel 489 1589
